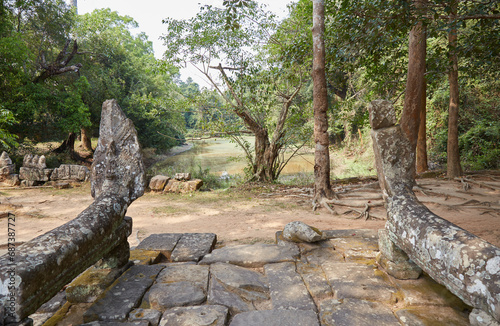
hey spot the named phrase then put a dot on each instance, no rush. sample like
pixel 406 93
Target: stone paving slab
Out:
pixel 213 315
pixel 256 255
pixel 220 295
pixel 190 272
pixel 287 288
pixel 164 243
pixel 123 295
pixel 315 281
pixel 432 315
pixel 276 318
pixel 352 280
pixel 354 312
pixel 162 296
pixel 351 233
pixel 150 315
pixel 193 246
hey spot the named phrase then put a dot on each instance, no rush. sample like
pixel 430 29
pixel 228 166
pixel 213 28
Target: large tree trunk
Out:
pixel 68 145
pixel 422 165
pixel 410 118
pixel 86 139
pixel 322 186
pixel 454 169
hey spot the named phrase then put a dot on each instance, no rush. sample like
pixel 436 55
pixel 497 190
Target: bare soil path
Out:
pixel 251 214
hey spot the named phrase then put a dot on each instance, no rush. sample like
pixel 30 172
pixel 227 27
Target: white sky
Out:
pixel 149 14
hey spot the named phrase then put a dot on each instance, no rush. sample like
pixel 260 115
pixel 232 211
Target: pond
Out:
pixel 219 155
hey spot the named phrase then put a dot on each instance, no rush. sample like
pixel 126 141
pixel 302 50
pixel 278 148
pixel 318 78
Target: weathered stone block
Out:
pixel 144 257
pixel 164 243
pixel 196 274
pixel 158 183
pixel 35 174
pixel 219 295
pixel 251 255
pixel 213 315
pixel 276 318
pixel 182 176
pixel 315 281
pixel 176 186
pixel 193 246
pixel 162 296
pixel 249 285
pixel 71 172
pixel 150 315
pixel 481 318
pixel 432 315
pixel 405 270
pixel 90 284
pixel 300 232
pixel 352 280
pixel 354 312
pixel 382 114
pixel 11 180
pixel 389 249
pixel 124 295
pixel 287 288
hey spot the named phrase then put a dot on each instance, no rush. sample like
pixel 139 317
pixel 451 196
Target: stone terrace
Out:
pixel 179 279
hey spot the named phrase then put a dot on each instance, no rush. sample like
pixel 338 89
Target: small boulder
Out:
pixel 158 183
pixel 300 232
pixel 182 176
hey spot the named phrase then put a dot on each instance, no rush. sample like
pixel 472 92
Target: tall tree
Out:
pixel 322 186
pixel 415 82
pixel 257 88
pixel 454 168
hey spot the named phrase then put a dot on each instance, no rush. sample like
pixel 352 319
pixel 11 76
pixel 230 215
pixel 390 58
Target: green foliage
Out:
pixel 122 66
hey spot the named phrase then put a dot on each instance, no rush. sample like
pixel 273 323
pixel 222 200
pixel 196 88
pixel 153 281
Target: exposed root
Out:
pixel 364 213
pixel 466 181
pixel 344 203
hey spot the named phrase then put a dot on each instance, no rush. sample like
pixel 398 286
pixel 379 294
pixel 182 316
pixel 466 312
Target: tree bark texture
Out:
pixel 454 169
pixel 410 118
pixel 322 187
pixel 422 165
pixel 86 139
pixel 68 144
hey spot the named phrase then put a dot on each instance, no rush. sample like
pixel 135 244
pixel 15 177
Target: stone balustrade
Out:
pixel 41 267
pixel 467 265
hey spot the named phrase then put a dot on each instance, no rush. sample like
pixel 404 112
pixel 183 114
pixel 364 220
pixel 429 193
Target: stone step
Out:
pixel 256 255
pixel 276 318
pixel 213 315
pixel 124 294
pixel 287 289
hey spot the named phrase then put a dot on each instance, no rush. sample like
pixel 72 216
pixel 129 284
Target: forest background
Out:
pixel 58 67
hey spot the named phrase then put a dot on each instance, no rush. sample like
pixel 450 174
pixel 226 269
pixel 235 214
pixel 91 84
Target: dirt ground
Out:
pixel 252 214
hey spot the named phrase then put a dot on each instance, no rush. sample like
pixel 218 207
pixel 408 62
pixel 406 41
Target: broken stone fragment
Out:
pixel 5 159
pixel 300 232
pixel 71 172
pixel 177 186
pixel 182 176
pixel 158 183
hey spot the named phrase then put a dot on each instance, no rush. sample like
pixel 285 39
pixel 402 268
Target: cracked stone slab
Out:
pixel 256 255
pixel 150 315
pixel 318 256
pixel 213 315
pixel 354 312
pixel 315 281
pixel 124 295
pixel 276 318
pixel 287 288
pixel 432 315
pixel 193 246
pixel 196 274
pixel 425 291
pixel 164 243
pixel 355 243
pixel 162 296
pixel 352 280
pixel 239 278
pixel 218 294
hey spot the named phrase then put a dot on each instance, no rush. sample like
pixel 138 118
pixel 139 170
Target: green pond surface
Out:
pixel 220 155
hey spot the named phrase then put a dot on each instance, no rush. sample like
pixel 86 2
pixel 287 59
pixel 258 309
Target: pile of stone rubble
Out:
pixel 180 183
pixel 34 172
